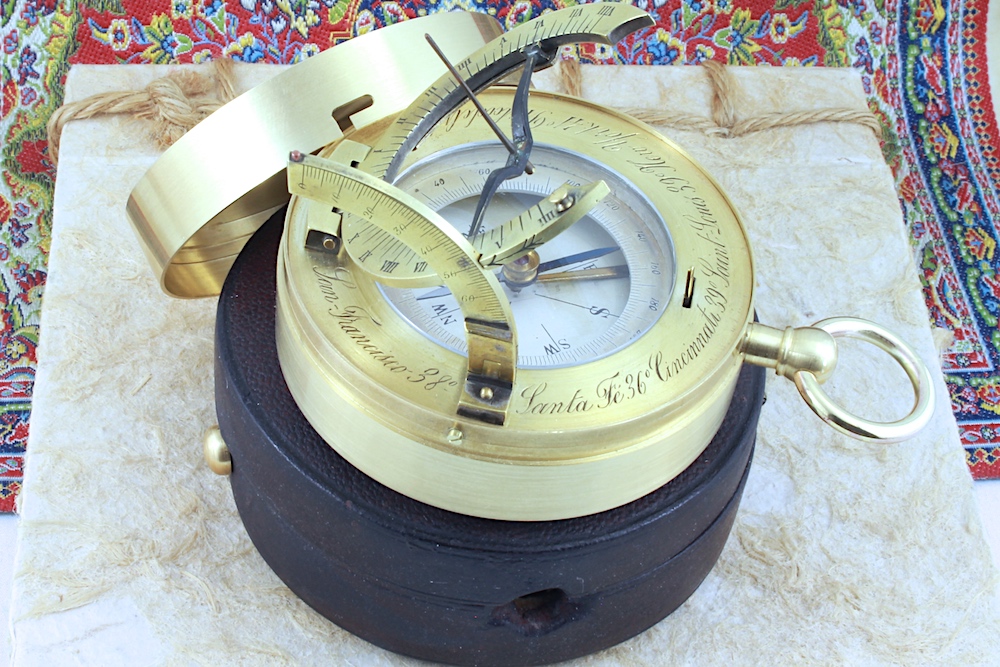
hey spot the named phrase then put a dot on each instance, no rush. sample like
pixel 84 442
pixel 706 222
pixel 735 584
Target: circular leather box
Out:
pixel 442 586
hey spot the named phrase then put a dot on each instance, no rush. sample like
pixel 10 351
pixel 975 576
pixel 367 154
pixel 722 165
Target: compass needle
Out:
pixel 604 273
pixel 575 258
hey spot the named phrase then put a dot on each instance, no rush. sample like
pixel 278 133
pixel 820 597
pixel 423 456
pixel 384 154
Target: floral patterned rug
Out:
pixel 922 62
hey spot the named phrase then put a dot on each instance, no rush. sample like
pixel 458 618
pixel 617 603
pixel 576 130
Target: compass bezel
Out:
pixel 608 431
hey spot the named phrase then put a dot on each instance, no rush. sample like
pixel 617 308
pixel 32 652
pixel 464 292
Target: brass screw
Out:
pixel 329 243
pixel 486 393
pixel 455 436
pixel 565 203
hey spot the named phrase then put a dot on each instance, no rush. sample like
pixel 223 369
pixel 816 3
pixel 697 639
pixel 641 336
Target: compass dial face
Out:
pixel 597 287
pixel 632 344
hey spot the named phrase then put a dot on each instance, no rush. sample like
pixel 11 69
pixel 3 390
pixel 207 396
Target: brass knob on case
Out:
pixel 791 350
pixel 216 452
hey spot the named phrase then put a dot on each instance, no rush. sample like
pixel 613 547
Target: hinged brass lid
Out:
pixel 199 203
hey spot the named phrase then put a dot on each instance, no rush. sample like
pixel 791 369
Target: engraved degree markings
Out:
pixel 495 247
pixel 395 219
pixel 606 23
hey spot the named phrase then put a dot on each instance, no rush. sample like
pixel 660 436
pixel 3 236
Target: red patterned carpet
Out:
pixel 922 63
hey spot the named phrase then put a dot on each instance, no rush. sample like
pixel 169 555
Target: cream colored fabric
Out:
pixel 131 551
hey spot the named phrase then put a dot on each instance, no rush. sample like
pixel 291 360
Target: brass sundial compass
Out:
pixel 567 380
pixel 537 328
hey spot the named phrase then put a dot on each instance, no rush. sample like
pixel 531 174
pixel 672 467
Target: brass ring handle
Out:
pixel 858 427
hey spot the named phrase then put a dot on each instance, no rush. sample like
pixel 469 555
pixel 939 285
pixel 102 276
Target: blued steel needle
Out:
pixel 602 273
pixel 584 256
pixel 529 168
pixel 520 127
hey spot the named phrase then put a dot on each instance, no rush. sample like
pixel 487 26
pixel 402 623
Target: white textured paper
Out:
pixel 131 551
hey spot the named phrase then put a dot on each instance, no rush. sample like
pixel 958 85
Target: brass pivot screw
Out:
pixel 565 203
pixel 455 437
pixel 522 272
pixel 216 452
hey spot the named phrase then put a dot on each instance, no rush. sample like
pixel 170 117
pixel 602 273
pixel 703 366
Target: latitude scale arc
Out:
pixel 525 370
